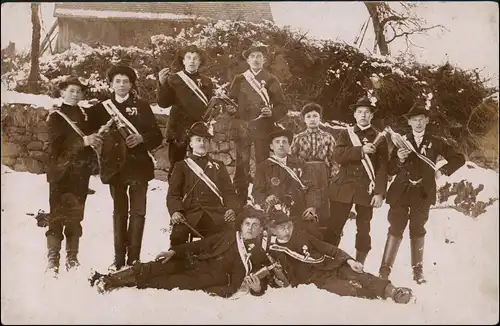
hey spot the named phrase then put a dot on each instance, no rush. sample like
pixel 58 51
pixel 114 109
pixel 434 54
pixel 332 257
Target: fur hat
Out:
pixel 121 70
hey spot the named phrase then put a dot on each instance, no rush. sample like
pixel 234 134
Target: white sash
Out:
pixel 244 255
pixel 290 171
pixel 367 163
pixel 409 145
pixel 70 122
pixel 113 111
pixel 192 85
pixel 249 76
pixel 296 255
pixel 201 174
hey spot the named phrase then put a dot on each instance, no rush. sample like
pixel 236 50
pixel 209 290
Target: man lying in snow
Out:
pixel 219 264
pixel 308 260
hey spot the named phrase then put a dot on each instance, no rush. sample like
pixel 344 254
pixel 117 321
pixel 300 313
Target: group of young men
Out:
pixel 286 231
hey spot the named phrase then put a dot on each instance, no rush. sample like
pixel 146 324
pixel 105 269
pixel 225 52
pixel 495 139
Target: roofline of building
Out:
pixel 121 15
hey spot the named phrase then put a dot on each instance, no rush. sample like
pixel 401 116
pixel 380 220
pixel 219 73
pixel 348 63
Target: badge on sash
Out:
pixel 365 140
pixel 275 181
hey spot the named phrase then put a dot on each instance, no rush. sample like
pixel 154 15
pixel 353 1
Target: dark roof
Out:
pixel 246 11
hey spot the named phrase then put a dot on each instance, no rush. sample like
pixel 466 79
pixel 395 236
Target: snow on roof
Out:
pixel 124 14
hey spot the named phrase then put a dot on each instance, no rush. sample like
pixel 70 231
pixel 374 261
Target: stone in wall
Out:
pixel 29 164
pixel 35 145
pixel 11 149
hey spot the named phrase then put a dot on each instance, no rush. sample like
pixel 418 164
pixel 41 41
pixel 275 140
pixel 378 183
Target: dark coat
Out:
pixel 66 148
pixel 299 270
pixel 187 108
pixel 200 198
pixel 250 103
pixel 218 255
pixel 414 168
pixel 350 184
pixel 272 179
pixel 121 164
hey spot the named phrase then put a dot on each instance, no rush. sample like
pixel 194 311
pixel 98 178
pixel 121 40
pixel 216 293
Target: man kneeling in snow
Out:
pixel 308 260
pixel 218 264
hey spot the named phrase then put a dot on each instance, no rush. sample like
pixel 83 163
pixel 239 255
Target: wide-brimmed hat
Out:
pixel 256 47
pixel 364 101
pixel 179 56
pixel 121 70
pixel 199 128
pixel 277 217
pixel 72 80
pixel 418 108
pixel 279 131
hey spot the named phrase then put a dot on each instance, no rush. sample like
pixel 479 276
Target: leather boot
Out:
pixel 361 256
pixel 390 252
pixel 398 294
pixel 53 254
pixel 112 281
pixel 417 259
pixel 135 233
pixel 72 244
pixel 120 242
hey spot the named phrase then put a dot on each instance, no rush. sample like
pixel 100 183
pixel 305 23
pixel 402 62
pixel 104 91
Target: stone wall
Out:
pixel 25 140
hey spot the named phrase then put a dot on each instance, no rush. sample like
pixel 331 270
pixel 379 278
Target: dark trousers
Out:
pixel 346 282
pixel 243 146
pixel 205 226
pixel 128 199
pixel 339 213
pixel 67 204
pixel 176 152
pixel 417 214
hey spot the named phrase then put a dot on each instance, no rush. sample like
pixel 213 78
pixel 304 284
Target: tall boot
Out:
pixel 107 283
pixel 120 242
pixel 398 294
pixel 390 252
pixel 417 259
pixel 72 244
pixel 361 256
pixel 135 233
pixel 53 254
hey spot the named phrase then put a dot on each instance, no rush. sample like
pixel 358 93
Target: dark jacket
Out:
pixel 350 184
pixel 66 147
pixel 305 257
pixel 187 108
pixel 120 163
pixel 218 255
pixel 200 198
pixel 250 103
pixel 414 169
pixel 272 179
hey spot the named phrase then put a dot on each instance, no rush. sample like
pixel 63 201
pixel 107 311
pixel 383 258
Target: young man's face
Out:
pixel 283 231
pixel 363 116
pixel 72 94
pixel 250 228
pixel 121 85
pixel 191 61
pixel 256 60
pixel 199 145
pixel 418 122
pixel 312 119
pixel 280 146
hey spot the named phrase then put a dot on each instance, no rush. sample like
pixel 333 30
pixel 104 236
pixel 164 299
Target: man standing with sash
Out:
pixel 260 104
pixel 414 188
pixel 188 93
pixel 127 164
pixel 200 193
pixel 362 178
pixel 279 180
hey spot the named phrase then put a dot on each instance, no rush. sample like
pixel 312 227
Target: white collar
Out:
pixel 121 99
pixel 64 102
pixel 365 127
pixel 279 159
pixel 281 241
pixel 418 134
pixel 255 73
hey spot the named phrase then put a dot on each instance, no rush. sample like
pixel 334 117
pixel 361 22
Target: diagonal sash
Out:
pixel 192 85
pixel 305 259
pixel 290 171
pixel 70 122
pixel 244 255
pixel 249 76
pixel 398 138
pixel 367 163
pixel 201 174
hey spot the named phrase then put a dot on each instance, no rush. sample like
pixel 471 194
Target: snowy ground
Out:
pixel 461 263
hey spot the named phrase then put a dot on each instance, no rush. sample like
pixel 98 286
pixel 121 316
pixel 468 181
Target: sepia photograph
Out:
pixel 250 162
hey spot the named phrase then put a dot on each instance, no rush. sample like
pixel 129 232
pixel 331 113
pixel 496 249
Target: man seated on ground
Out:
pixel 308 260
pixel 220 264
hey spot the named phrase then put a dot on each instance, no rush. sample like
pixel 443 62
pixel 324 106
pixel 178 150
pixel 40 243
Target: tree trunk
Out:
pixel 380 40
pixel 35 50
